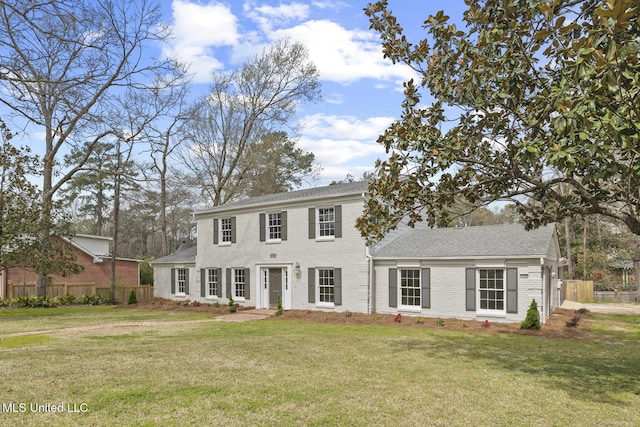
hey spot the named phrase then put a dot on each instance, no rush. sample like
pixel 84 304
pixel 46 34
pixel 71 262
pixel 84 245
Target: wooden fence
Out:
pixel 617 296
pixel 143 293
pixel 578 290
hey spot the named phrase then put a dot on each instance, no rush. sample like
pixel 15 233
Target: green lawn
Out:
pixel 284 372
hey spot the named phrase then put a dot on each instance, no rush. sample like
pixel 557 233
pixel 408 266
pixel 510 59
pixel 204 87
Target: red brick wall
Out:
pixel 98 273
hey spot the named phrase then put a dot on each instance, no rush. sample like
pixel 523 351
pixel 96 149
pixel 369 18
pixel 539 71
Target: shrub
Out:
pixel 232 305
pixel 64 299
pixel 573 323
pixel 93 300
pixel 440 322
pixel 532 321
pixel 279 309
pixel 133 299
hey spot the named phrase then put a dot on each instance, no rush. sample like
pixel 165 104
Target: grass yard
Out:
pixel 295 372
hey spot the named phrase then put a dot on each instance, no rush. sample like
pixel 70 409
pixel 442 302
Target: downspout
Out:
pixel 370 283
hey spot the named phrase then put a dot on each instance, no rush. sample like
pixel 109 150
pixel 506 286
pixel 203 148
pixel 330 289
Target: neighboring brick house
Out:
pixel 92 254
pixel 303 248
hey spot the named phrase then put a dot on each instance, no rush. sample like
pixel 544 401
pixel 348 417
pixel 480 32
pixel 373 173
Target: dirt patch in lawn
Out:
pixel 557 326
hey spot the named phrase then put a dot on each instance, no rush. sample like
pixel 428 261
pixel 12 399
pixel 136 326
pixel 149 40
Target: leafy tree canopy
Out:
pixel 21 215
pixel 533 101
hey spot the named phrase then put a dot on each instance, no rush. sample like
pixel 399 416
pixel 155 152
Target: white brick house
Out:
pixel 302 247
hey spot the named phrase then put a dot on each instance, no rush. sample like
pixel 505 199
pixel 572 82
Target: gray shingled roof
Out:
pixel 181 255
pixel 510 240
pixel 334 190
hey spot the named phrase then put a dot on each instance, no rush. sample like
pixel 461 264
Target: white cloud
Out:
pixel 334 126
pixel 343 55
pixel 343 143
pixel 196 30
pixel 267 17
pixel 331 152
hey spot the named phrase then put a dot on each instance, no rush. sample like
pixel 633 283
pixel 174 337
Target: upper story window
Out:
pixel 275 226
pixel 326 222
pixel 225 230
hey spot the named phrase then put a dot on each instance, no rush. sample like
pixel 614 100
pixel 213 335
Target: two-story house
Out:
pixel 303 248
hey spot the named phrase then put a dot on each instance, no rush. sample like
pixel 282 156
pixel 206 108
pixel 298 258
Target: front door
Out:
pixel 275 286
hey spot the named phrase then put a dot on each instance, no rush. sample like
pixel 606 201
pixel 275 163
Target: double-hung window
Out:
pixel 326 222
pixel 212 282
pixel 410 295
pixel 491 288
pixel 181 280
pixel 239 283
pixel 275 226
pixel 225 230
pixel 326 285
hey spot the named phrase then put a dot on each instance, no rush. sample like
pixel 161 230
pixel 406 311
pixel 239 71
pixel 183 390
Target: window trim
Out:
pixel 318 223
pixel 210 295
pixel 418 288
pixel 487 311
pixel 235 282
pixel 184 281
pixel 268 227
pixel 325 304
pixel 222 231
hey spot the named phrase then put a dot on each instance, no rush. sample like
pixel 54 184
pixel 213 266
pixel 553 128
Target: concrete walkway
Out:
pixel 246 315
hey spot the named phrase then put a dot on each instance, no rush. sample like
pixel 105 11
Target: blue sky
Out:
pixel 361 91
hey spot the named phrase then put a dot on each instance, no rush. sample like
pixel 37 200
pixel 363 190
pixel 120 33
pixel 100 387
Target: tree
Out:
pixel 274 165
pixel 19 208
pixel 62 64
pixel 243 107
pixel 21 215
pixel 91 185
pixel 545 113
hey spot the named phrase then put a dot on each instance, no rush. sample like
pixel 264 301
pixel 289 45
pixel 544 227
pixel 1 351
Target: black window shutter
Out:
pixel 219 284
pixel 203 282
pixel 215 231
pixel 186 281
pixel 512 290
pixel 233 229
pixel 263 232
pixel 470 289
pixel 393 287
pixel 229 294
pixel 312 223
pixel 337 286
pixel 425 278
pixel 173 280
pixel 283 221
pixel 312 285
pixel 337 211
pixel 247 283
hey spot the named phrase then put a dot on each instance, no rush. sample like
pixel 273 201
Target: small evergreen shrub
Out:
pixel 133 299
pixel 279 309
pixel 532 321
pixel 232 305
